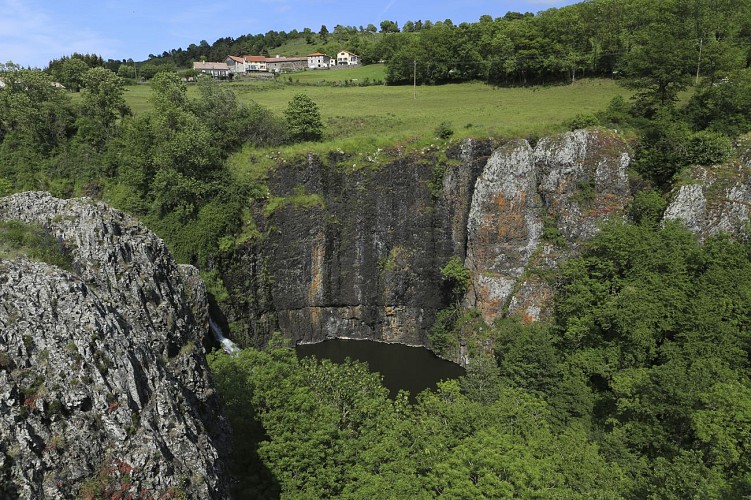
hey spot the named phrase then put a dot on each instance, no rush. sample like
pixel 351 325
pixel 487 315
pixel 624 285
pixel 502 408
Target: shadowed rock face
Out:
pixel 364 260
pixel 104 386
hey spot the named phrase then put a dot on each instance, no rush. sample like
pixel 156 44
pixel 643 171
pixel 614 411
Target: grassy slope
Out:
pixel 393 114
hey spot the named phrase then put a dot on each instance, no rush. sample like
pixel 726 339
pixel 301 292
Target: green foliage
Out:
pixel 655 324
pixel 456 276
pixel 444 130
pixel 664 148
pixel 35 242
pixel 723 106
pixel 709 148
pixel 582 121
pixel 316 429
pixel 647 207
pixel 303 119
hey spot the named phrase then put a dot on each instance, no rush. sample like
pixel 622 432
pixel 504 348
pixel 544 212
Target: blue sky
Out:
pixel 34 31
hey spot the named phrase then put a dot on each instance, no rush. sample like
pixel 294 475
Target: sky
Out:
pixel 33 32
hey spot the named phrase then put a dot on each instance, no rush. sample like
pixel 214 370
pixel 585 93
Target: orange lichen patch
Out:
pixel 606 204
pixel 488 305
pixel 527 318
pixel 316 282
pixel 315 318
pixel 500 201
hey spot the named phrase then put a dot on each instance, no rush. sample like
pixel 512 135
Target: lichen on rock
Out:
pixel 104 387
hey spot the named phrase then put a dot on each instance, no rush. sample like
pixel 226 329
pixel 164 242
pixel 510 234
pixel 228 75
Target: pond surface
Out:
pixel 413 369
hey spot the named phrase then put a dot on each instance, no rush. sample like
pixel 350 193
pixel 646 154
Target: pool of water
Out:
pixel 413 369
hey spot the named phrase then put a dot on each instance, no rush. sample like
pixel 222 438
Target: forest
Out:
pixel 638 387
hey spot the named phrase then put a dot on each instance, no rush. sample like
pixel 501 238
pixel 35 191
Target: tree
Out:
pixel 102 103
pixel 389 27
pixel 324 33
pixel 71 73
pixel 303 119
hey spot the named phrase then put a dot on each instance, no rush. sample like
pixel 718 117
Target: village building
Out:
pixel 281 64
pixel 236 65
pixel 218 70
pixel 346 58
pixel 255 63
pixel 318 61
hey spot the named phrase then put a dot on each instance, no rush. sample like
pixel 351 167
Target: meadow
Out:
pixel 393 114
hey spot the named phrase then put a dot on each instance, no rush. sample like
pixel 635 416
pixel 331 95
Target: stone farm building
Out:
pixel 218 70
pixel 318 61
pixel 245 65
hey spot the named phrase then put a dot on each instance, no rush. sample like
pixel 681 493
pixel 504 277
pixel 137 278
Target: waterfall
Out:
pixel 227 345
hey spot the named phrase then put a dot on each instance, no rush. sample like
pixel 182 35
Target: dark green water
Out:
pixel 413 369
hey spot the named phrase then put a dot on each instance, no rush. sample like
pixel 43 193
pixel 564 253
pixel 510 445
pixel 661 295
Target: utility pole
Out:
pixel 414 79
pixel 698 64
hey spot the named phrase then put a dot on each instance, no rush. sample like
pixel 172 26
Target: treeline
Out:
pixel 596 38
pixel 611 38
pixel 602 38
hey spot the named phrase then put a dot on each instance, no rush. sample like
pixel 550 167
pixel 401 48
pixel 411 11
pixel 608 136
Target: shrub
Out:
pixel 582 121
pixel 647 207
pixel 444 130
pixel 709 148
pixel 303 119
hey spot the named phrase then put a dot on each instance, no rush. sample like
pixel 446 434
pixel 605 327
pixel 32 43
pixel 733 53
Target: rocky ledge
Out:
pixel 104 386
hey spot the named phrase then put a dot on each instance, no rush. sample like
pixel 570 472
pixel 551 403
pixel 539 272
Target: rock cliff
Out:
pixel 104 387
pixel 357 252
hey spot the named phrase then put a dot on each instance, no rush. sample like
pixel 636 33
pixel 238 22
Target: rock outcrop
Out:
pixel 534 207
pixel 104 387
pixel 717 199
pixel 358 252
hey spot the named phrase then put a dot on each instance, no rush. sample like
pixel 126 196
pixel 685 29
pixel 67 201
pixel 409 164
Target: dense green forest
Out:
pixel 639 385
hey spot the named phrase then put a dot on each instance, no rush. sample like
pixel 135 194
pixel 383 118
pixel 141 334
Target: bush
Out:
pixel 582 121
pixel 709 148
pixel 444 130
pixel 303 119
pixel 647 207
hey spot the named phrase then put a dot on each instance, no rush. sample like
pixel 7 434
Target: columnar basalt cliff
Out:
pixel 355 253
pixel 104 387
pixel 358 252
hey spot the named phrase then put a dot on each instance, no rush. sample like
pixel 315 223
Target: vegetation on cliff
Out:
pixel 637 388
pixel 638 385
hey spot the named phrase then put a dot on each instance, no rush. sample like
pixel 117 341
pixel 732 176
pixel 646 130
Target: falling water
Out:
pixel 227 345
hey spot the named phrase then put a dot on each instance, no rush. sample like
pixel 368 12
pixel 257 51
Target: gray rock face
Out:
pixel 104 388
pixel 718 200
pixel 567 184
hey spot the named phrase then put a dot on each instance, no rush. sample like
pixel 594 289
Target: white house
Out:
pixel 318 61
pixel 347 58
pixel 255 63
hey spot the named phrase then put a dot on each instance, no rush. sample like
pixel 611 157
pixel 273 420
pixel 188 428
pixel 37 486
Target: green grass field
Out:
pixel 372 72
pixel 390 114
